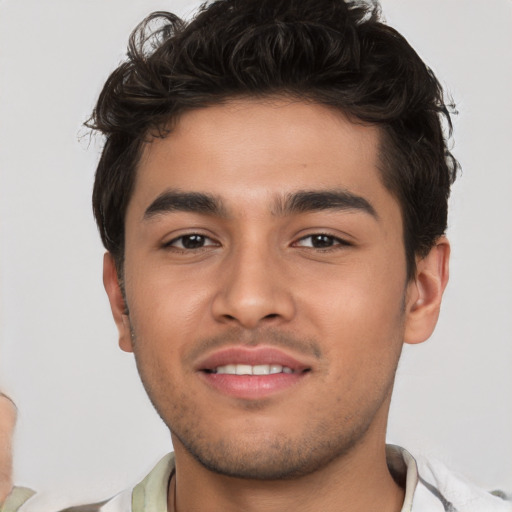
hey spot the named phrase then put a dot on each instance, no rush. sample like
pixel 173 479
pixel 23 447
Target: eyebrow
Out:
pixel 318 200
pixel 195 202
pixel 298 202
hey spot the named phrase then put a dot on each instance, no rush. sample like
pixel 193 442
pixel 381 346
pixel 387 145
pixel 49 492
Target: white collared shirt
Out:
pixel 429 487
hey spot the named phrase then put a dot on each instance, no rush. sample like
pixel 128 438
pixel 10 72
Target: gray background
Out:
pixel 86 429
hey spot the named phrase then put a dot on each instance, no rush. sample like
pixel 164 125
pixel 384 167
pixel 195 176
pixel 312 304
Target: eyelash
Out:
pixel 336 242
pixel 169 245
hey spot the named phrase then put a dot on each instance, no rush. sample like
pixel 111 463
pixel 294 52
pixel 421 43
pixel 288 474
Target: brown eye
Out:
pixel 191 242
pixel 321 241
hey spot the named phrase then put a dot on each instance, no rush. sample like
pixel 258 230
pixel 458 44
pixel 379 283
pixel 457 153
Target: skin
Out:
pixel 7 422
pixel 260 279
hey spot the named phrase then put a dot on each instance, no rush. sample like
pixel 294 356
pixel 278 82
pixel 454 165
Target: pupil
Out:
pixel 320 241
pixel 193 241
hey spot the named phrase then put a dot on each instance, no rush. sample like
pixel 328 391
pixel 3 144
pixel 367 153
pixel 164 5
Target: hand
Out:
pixel 7 422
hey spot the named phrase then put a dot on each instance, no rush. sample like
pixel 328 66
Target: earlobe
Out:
pixel 425 292
pixel 117 302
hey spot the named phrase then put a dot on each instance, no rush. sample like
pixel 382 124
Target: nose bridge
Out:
pixel 253 288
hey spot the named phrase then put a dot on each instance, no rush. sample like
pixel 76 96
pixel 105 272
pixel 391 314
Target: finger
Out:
pixel 7 423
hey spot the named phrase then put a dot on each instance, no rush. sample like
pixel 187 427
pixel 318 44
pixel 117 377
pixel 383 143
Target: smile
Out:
pixel 252 373
pixel 247 369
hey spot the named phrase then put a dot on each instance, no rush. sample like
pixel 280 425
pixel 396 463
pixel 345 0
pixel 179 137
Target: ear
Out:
pixel 117 303
pixel 425 291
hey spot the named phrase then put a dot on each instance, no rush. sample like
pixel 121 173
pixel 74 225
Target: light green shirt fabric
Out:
pixel 16 499
pixel 151 494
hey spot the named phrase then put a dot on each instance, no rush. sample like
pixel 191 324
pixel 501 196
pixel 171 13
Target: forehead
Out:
pixel 259 149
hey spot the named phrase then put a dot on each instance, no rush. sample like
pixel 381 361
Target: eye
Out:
pixel 191 242
pixel 321 241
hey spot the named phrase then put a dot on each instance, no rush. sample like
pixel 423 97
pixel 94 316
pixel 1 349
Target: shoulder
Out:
pixel 147 496
pixel 455 492
pixel 17 497
pixel 51 502
pixel 119 503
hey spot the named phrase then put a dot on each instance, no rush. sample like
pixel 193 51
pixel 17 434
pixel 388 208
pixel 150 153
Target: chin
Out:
pixel 269 458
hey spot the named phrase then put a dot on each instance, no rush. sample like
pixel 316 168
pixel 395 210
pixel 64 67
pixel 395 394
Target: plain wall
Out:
pixel 86 428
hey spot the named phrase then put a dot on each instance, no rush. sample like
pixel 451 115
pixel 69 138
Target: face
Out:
pixel 265 279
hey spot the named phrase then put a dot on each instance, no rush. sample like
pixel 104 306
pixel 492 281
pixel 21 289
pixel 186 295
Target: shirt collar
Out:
pixel 150 495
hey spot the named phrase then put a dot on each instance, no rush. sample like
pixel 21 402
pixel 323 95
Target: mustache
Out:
pixel 267 336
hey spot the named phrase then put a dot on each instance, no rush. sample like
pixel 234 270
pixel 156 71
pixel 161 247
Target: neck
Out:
pixel 359 481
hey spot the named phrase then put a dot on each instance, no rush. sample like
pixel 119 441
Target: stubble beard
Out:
pixel 260 455
pixel 272 458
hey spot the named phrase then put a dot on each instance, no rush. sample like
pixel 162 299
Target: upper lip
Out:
pixel 251 356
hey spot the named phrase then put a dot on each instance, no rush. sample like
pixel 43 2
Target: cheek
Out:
pixel 357 313
pixel 361 331
pixel 164 306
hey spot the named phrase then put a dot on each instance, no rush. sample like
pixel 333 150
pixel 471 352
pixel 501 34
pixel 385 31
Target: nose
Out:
pixel 254 290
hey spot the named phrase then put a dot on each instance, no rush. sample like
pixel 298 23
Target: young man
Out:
pixel 272 195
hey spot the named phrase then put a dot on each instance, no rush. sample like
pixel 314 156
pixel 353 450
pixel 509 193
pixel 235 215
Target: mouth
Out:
pixel 252 373
pixel 247 369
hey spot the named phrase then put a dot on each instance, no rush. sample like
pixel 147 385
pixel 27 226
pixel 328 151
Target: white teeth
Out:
pixel 243 369
pixel 247 369
pixel 261 369
pixel 230 369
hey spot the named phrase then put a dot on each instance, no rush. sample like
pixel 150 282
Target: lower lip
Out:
pixel 252 387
